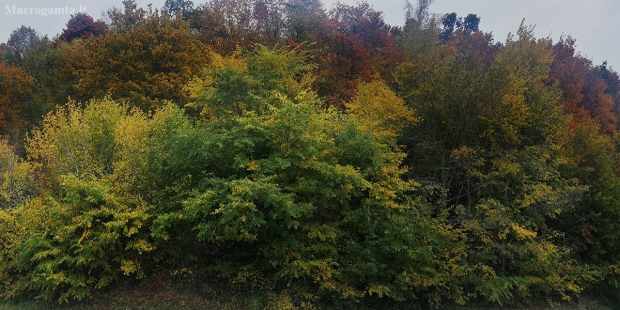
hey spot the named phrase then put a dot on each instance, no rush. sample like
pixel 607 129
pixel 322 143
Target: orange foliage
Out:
pixel 145 63
pixel 15 93
pixel 583 90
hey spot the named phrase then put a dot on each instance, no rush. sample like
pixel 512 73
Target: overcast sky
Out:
pixel 594 23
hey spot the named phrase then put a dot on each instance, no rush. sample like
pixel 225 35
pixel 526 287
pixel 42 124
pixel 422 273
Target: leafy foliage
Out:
pixel 252 80
pixel 66 246
pixel 499 159
pixel 91 224
pixel 82 26
pixel 17 181
pixel 357 46
pixel 325 159
pixel 306 195
pixel 16 91
pixel 146 62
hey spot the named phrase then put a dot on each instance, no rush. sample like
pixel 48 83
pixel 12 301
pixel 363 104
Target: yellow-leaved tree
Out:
pixel 379 108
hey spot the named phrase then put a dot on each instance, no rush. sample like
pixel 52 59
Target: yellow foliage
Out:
pixel 380 109
pixel 16 178
pixel 77 141
pixel 128 267
pixel 521 232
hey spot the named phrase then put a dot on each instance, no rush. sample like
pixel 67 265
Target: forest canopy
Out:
pixel 323 156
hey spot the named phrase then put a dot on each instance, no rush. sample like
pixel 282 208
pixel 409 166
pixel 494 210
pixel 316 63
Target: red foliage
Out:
pixel 81 26
pixel 476 43
pixel 583 89
pixel 225 25
pixel 356 46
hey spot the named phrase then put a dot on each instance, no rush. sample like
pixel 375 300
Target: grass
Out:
pixel 178 300
pixel 174 293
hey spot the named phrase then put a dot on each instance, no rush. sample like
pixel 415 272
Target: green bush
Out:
pixel 63 248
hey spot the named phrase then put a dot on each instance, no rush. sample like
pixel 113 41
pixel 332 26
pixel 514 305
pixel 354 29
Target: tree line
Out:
pixel 325 156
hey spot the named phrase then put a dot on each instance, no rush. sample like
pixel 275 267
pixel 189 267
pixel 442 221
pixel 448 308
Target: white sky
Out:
pixel 594 23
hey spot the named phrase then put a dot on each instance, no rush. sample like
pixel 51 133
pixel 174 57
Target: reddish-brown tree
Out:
pixel 356 45
pixel 226 24
pixel 583 89
pixel 16 90
pixel 82 26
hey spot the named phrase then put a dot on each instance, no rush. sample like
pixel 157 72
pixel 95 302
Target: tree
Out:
pixel 211 28
pixel 82 26
pixel 418 15
pixel 146 63
pixel 357 46
pixel 308 196
pixel 4 50
pixel 237 18
pixel 592 227
pixel 144 162
pixel 66 245
pixel 379 108
pixel 46 65
pixel 129 17
pixel 183 7
pixel 584 91
pixel 16 91
pixel 20 42
pixel 445 90
pixel 569 71
pixel 81 231
pixel 452 23
pixel 39 58
pixel 599 104
pixel 522 189
pixel 420 37
pixel 254 79
pixel 269 17
pixel 16 178
pixel 613 81
pixel 76 141
pixel 490 134
pixel 471 22
pixel 303 18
